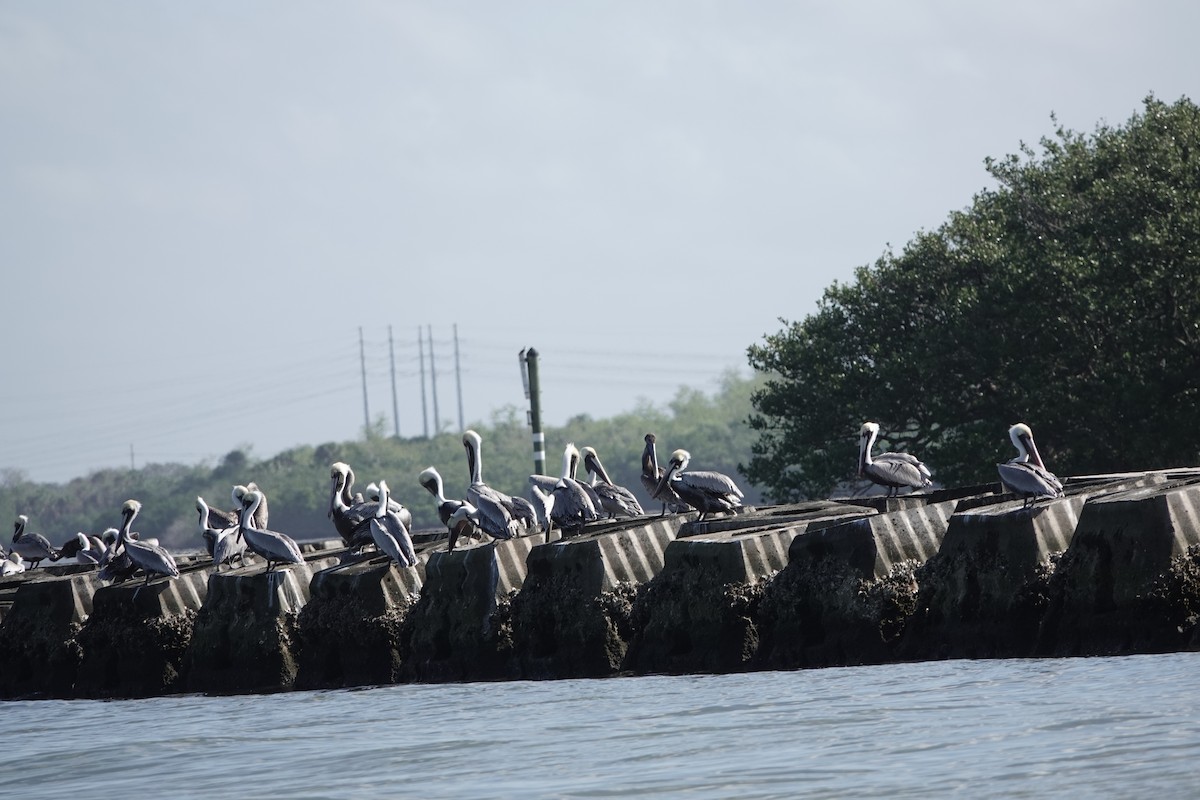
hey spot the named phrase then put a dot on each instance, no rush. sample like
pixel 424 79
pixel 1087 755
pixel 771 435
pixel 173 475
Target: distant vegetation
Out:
pixel 1068 298
pixel 712 427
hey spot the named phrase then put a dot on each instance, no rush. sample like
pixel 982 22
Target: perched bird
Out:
pixel 1025 474
pixel 394 505
pixel 260 515
pixel 72 547
pixel 11 564
pixel 573 506
pixel 277 548
pixel 92 553
pixel 466 524
pixel 217 518
pixel 892 470
pixel 615 500
pixel 221 541
pixel 150 558
pixel 543 503
pixel 652 476
pixel 704 491
pixel 33 547
pixel 389 532
pixel 496 517
pixel 351 514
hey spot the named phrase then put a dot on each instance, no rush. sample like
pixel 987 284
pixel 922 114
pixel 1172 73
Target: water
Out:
pixel 1116 727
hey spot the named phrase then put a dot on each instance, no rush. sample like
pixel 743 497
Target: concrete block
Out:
pixel 572 617
pixel 459 629
pixel 245 635
pixel 40 656
pixel 847 591
pixel 134 641
pixel 698 613
pixel 1121 587
pixel 350 628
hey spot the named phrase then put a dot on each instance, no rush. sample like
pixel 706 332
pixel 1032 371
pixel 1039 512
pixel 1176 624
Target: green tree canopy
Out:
pixel 1066 297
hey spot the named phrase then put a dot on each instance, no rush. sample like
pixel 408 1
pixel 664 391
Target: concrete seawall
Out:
pixel 1112 568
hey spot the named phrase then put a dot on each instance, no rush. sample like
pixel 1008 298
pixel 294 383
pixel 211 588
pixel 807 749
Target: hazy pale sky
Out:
pixel 202 203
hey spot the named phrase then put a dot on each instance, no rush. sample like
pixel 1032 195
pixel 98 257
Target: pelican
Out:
pixel 151 558
pixel 33 547
pixel 616 500
pixel 221 541
pixel 78 547
pixel 573 507
pixel 466 523
pixel 276 548
pixel 496 517
pixel 350 513
pixel 12 564
pixel 92 553
pixel 704 491
pixel 652 476
pixel 389 532
pixel 1026 475
pixel 544 503
pixel 394 505
pixel 893 470
pixel 260 516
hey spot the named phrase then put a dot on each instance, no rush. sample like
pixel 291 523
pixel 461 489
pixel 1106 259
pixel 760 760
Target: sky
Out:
pixel 202 205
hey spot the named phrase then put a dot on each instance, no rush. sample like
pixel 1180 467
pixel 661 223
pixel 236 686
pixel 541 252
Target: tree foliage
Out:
pixel 297 481
pixel 1065 297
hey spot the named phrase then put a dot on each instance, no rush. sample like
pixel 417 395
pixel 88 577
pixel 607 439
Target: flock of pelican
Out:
pixel 376 519
pixel 1024 475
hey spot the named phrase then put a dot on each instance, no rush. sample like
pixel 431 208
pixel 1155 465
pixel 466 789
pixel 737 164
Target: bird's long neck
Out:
pixel 347 486
pixel 126 524
pixel 203 508
pixel 864 456
pixel 475 463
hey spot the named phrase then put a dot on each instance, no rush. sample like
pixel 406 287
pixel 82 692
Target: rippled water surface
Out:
pixel 1108 727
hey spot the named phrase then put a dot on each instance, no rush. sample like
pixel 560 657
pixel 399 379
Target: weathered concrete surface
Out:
pixel 985 592
pixel 350 628
pixel 1127 583
pixel 573 616
pixel 38 651
pixel 460 629
pixel 847 592
pixel 245 637
pixel 699 614
pixel 134 641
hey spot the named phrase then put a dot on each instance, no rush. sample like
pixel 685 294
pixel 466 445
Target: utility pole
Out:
pixel 395 404
pixel 132 468
pixel 437 420
pixel 529 376
pixel 421 350
pixel 462 426
pixel 362 360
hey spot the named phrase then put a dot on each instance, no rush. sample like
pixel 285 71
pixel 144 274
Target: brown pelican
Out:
pixel 351 517
pixel 92 553
pixel 150 558
pixel 573 506
pixel 496 517
pixel 466 524
pixel 394 505
pixel 33 547
pixel 389 532
pixel 260 516
pixel 652 476
pixel 72 547
pixel 616 500
pixel 276 548
pixel 704 491
pixel 11 564
pixel 543 502
pixel 893 470
pixel 1026 475
pixel 221 541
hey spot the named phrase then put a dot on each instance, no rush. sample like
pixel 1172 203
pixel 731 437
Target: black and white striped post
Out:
pixel 529 376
